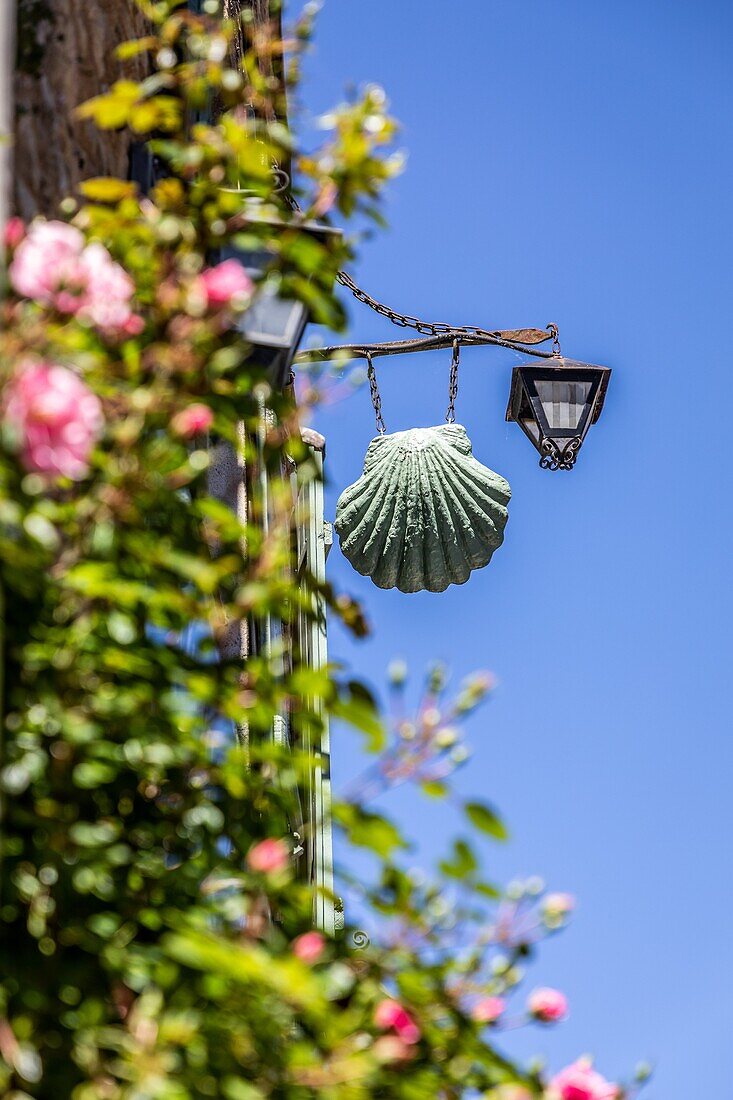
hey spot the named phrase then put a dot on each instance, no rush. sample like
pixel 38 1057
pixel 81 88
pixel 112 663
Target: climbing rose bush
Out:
pixel 226 284
pixel 547 1005
pixel 54 265
pixel 488 1010
pixel 269 856
pixel 52 418
pixel 158 909
pixel 193 420
pixel 392 1016
pixel 47 265
pixel 309 947
pixel 581 1082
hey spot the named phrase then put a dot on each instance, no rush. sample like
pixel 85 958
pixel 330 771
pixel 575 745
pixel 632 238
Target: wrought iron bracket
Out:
pixel 422 343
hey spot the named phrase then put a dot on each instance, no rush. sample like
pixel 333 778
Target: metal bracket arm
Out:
pixel 423 343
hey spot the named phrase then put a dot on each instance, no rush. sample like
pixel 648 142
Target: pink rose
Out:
pixel 192 420
pixel 13 233
pixel 391 1015
pixel 55 417
pixel 558 905
pixel 309 947
pixel 581 1082
pixel 47 265
pixel 54 265
pixel 547 1005
pixel 227 284
pixel 133 326
pixel 108 290
pixel 488 1010
pixel 268 856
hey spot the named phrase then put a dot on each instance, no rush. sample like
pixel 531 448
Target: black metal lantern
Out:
pixel 273 325
pixel 555 403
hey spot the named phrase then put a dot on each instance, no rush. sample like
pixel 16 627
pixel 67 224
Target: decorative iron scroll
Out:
pixel 556 459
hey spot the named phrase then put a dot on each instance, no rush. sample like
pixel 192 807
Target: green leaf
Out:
pixel 106 189
pixel 488 890
pixel 368 830
pixel 249 965
pixel 111 110
pixel 359 709
pixel 234 1088
pixel 486 819
pixel 126 50
pixel 463 862
pixel 433 788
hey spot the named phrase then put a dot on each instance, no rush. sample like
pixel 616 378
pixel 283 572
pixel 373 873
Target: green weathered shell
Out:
pixel 424 513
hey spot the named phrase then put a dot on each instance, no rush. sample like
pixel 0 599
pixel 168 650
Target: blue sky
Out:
pixel 572 162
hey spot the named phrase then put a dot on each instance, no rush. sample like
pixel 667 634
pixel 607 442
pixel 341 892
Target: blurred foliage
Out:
pixel 142 956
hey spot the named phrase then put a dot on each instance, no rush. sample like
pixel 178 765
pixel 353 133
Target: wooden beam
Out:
pixel 66 54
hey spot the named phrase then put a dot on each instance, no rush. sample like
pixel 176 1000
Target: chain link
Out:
pixel 405 320
pixel 375 395
pixel 450 416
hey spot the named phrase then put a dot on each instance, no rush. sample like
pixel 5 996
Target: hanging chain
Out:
pixel 405 320
pixel 450 416
pixel 376 398
pixel 553 330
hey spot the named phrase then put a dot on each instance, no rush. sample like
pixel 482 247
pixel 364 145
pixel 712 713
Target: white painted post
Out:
pixel 314 535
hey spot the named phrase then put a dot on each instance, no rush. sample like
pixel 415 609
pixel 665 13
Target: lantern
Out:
pixel 555 403
pixel 273 325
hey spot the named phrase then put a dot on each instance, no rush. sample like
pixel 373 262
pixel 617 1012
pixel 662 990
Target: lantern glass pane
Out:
pixel 563 402
pixel 273 321
pixel 532 428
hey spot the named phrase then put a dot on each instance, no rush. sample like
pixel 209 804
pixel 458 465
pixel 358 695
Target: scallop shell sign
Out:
pixel 424 513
